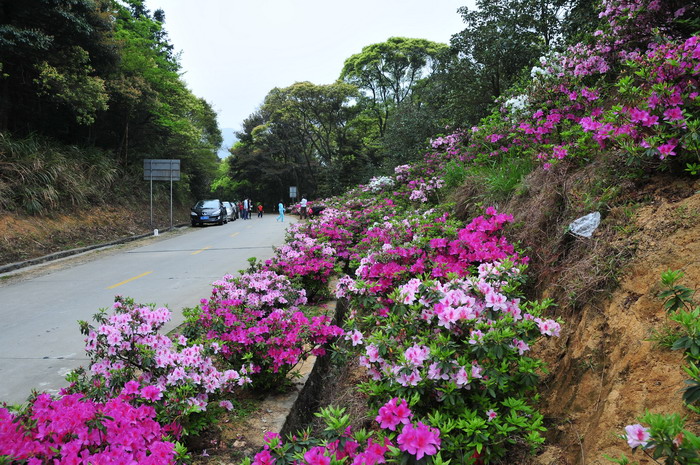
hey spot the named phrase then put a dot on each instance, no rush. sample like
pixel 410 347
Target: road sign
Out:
pixel 293 192
pixel 161 170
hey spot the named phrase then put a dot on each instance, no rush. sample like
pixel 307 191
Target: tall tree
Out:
pixel 54 58
pixel 386 72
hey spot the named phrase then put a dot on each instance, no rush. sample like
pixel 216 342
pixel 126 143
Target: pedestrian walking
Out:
pixel 260 210
pixel 280 208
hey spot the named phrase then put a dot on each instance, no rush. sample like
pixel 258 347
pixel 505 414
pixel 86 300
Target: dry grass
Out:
pixel 340 390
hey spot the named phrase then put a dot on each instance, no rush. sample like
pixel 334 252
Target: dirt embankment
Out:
pixel 23 237
pixel 604 369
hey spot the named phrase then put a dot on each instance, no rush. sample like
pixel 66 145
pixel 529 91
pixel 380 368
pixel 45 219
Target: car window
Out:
pixel 207 204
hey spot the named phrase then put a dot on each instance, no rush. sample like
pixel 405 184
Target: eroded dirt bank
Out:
pixel 605 370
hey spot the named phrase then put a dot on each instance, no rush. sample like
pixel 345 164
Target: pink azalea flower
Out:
pixel 490 415
pixel 355 337
pixel 131 387
pixel 419 441
pixel 548 327
pixel 272 438
pixel 637 435
pixel 315 457
pixel 394 412
pixel 416 354
pixel 666 149
pixel 226 404
pixel 151 393
pixel 673 114
pixel 264 457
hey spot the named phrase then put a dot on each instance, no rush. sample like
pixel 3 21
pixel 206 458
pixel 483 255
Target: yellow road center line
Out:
pixel 129 280
pixel 201 250
pixel 235 234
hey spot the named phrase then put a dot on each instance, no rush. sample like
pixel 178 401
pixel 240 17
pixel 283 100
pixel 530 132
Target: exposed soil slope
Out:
pixel 604 369
pixel 24 237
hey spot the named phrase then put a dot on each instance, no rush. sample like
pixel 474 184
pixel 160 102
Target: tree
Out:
pixel 102 73
pixel 54 58
pixel 386 72
pixel 502 41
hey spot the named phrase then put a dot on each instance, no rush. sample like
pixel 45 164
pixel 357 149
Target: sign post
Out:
pixel 161 170
pixel 293 192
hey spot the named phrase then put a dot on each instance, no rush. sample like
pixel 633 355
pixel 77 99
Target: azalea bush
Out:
pixel 307 261
pixel 397 437
pixel 131 360
pixel 75 429
pixel 256 320
pixel 429 251
pixel 665 440
pixel 632 89
pixel 458 351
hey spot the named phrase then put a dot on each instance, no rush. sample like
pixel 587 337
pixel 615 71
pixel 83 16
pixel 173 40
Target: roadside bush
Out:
pixel 256 321
pixel 130 360
pixel 76 429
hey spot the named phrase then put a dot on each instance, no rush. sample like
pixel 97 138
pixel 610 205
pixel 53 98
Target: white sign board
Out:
pixel 293 192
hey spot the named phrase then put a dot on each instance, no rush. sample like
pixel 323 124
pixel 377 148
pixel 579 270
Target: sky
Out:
pixel 233 52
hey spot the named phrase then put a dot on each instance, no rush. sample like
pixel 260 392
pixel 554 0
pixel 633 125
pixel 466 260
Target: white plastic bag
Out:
pixel 586 225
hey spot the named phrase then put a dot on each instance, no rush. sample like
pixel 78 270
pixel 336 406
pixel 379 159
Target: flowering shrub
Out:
pixel 307 261
pixel 75 429
pixel 478 242
pixel 256 320
pixel 129 359
pixel 378 184
pixel 633 89
pixel 337 228
pixel 665 438
pixel 459 350
pixel 400 438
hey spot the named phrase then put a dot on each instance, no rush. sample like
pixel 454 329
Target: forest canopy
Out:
pixel 102 75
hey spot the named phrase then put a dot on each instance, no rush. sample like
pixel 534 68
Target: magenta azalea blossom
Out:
pixel 151 393
pixel 392 413
pixel 315 456
pixel 419 441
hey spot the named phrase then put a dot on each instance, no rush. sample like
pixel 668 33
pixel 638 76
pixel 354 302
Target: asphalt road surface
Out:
pixel 40 339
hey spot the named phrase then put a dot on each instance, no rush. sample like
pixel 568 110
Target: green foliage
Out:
pixel 501 178
pixel 455 174
pixel 683 310
pixel 98 73
pixel 40 175
pixel 387 72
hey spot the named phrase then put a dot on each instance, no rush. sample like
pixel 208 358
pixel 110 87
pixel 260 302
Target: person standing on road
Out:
pixel 302 209
pixel 280 208
pixel 260 210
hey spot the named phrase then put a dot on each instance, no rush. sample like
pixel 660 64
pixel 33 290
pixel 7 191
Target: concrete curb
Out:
pixel 307 400
pixel 67 253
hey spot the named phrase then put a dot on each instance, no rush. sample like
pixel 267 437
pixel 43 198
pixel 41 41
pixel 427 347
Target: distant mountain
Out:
pixel 229 140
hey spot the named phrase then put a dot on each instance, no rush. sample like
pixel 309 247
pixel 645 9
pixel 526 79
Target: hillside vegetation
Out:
pixel 485 330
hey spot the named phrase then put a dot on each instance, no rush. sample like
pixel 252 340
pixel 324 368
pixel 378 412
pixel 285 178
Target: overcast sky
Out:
pixel 235 51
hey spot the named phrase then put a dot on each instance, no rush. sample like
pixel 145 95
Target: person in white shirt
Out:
pixel 303 207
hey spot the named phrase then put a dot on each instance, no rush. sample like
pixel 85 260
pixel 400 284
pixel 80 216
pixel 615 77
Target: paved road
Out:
pixel 39 308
